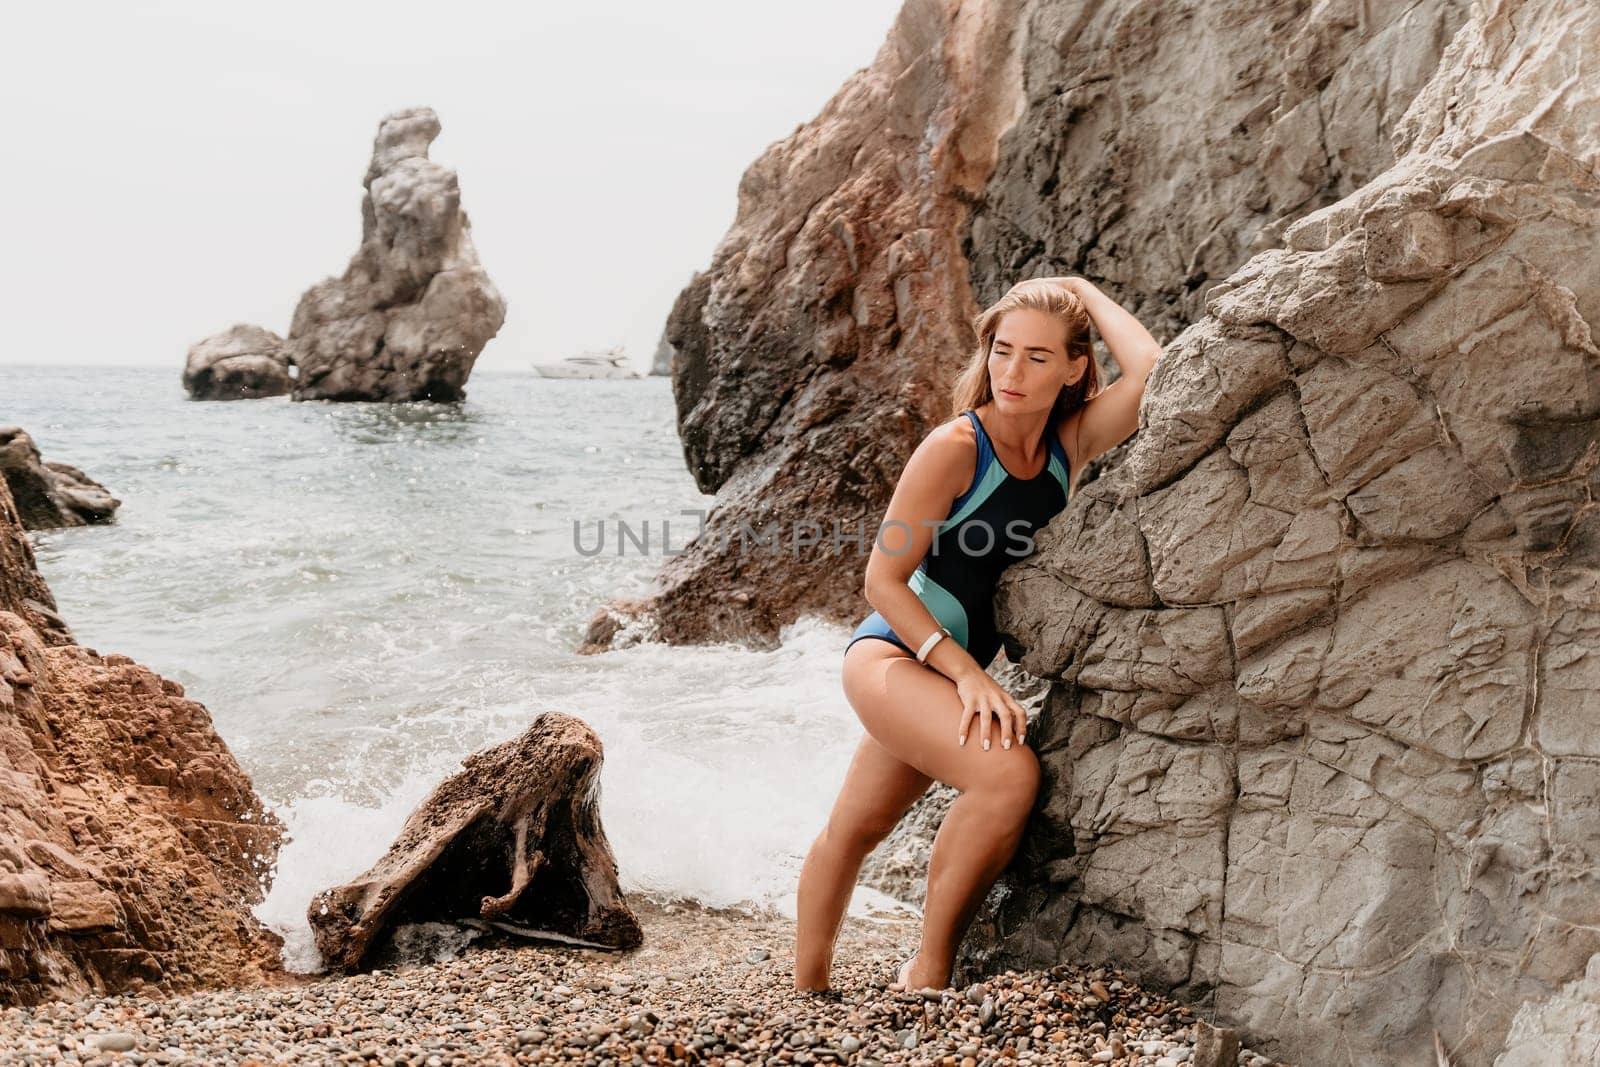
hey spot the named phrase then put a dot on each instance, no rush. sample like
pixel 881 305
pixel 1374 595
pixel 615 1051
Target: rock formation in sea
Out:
pixel 48 494
pixel 1320 742
pixel 132 846
pixel 243 362
pixel 409 316
pixel 414 308
pixel 512 841
pixel 661 363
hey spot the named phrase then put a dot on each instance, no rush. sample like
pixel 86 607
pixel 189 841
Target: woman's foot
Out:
pixel 905 979
pixel 903 975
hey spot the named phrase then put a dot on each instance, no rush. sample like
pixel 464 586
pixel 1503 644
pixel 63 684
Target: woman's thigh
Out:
pixel 914 712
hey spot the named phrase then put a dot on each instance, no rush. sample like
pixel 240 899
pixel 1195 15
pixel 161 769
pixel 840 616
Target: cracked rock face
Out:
pixel 1161 145
pixel 1323 739
pixel 132 846
pixel 1562 1028
pixel 414 308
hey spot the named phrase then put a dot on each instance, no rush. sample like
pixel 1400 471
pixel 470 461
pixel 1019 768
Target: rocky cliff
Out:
pixel 132 847
pixel 1322 740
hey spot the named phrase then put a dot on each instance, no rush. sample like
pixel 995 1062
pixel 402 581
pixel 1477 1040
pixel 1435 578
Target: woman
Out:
pixel 1030 414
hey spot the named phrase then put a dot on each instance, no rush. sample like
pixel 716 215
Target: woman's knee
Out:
pixel 859 831
pixel 1011 781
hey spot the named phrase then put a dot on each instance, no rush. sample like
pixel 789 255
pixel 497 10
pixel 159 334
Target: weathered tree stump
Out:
pixel 514 838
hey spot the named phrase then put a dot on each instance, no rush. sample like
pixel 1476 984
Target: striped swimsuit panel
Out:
pixel 989 527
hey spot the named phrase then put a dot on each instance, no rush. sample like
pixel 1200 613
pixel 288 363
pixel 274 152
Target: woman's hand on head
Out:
pixel 1069 283
pixel 985 703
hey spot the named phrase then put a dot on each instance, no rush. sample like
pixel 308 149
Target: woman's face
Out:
pixel 1028 362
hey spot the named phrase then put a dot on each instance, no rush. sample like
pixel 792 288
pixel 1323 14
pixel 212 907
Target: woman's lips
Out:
pixel 1008 392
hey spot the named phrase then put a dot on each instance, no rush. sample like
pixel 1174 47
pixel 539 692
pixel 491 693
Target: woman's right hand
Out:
pixel 984 699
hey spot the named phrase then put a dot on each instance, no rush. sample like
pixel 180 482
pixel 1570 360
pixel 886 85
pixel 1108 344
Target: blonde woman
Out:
pixel 1029 414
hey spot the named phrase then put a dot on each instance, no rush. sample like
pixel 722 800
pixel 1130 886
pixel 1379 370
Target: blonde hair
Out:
pixel 972 386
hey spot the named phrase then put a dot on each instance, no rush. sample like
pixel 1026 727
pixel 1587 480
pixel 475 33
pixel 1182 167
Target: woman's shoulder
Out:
pixel 949 452
pixel 955 439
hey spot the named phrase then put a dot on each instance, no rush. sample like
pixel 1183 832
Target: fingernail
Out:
pixel 963 739
pixel 986 744
pixel 1006 743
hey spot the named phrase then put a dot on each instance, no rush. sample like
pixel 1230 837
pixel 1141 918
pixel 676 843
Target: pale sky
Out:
pixel 174 168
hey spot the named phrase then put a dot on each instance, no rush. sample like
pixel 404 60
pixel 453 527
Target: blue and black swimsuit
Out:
pixel 989 527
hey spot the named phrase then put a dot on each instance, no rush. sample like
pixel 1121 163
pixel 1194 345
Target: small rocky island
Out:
pixel 406 320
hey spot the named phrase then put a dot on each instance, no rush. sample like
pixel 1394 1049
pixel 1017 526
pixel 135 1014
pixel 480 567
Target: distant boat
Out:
pixel 606 363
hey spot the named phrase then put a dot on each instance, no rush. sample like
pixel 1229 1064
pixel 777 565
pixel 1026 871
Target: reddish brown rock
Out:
pixel 132 846
pixel 514 837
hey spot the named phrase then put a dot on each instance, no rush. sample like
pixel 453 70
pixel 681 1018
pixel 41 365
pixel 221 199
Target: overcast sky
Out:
pixel 175 168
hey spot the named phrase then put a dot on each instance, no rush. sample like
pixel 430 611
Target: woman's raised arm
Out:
pixel 1111 416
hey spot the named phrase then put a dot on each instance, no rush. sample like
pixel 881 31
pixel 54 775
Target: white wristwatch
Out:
pixel 933 639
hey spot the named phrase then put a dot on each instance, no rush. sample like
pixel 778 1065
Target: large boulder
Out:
pixel 243 362
pixel 132 847
pixel 413 310
pixel 512 841
pixel 1322 741
pixel 48 494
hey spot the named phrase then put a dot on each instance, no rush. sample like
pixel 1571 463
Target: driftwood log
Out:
pixel 513 839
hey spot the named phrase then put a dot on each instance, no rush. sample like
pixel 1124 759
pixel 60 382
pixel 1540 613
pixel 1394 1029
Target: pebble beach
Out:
pixel 707 987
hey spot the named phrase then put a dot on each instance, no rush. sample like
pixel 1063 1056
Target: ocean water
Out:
pixel 363 594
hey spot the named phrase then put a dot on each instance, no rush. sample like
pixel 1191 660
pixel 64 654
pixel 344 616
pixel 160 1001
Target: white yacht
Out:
pixel 605 363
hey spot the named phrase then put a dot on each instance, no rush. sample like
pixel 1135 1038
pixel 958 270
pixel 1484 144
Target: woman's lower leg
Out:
pixel 827 878
pixel 979 835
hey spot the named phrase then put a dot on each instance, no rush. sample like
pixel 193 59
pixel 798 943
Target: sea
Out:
pixel 363 594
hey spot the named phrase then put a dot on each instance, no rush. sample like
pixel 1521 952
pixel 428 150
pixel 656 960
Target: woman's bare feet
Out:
pixel 914 975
